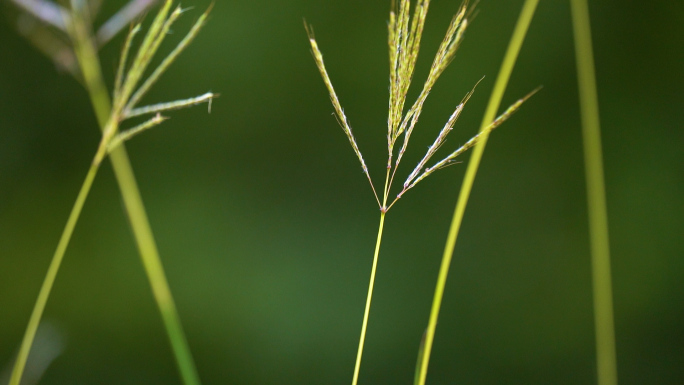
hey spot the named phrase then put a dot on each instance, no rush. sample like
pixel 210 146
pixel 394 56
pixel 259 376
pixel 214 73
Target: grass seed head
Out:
pixel 405 31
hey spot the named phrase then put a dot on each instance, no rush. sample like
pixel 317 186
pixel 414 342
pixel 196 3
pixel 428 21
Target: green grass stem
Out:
pixel 96 89
pixel 86 54
pixel 142 232
pixel 606 360
pixel 152 264
pixel 55 263
pixel 494 102
pixel 366 312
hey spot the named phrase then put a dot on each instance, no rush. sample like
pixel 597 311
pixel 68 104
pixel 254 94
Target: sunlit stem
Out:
pixel 366 312
pixel 130 193
pixel 55 263
pixel 494 102
pixel 362 339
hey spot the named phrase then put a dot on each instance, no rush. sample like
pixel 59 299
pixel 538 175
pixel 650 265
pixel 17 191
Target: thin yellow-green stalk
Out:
pixel 144 238
pixel 606 360
pixel 494 102
pixel 405 32
pixel 55 263
pixel 109 115
pixel 369 297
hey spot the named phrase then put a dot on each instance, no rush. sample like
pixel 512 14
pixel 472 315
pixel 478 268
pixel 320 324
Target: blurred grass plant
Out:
pixel 77 55
pixel 405 32
pixel 606 360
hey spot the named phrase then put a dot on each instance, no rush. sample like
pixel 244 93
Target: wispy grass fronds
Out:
pixel 175 105
pixel 404 47
pixel 441 138
pixel 450 159
pixel 443 58
pixel 118 82
pixel 131 132
pixel 182 45
pixel 339 111
pixel 405 30
pixel 147 49
pixel 404 36
pixel 110 115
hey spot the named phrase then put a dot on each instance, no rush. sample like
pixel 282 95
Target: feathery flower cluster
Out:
pixel 405 33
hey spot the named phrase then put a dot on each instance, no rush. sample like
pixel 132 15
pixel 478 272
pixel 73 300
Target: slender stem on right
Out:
pixel 368 300
pixel 494 102
pixel 49 280
pixel 606 360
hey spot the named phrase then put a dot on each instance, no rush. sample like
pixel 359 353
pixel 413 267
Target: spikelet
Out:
pixel 449 160
pixel 339 112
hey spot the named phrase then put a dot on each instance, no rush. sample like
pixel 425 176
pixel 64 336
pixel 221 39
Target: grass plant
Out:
pixel 404 37
pixel 505 71
pixel 65 34
pixel 76 29
pixel 606 361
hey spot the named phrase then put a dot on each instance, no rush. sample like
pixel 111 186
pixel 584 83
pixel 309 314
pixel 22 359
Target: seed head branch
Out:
pixel 175 105
pixel 130 133
pixel 123 60
pixel 436 145
pixel 405 29
pixel 339 112
pixel 182 45
pixel 144 55
pixel 441 61
pixel 404 45
pixel 470 143
pixel 127 79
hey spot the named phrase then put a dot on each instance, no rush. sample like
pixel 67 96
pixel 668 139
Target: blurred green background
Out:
pixel 266 225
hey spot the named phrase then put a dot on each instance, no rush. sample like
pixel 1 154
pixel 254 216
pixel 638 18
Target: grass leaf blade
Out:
pixel 510 58
pixel 606 360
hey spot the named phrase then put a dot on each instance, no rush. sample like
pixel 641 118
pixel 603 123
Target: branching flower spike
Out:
pixel 76 51
pixel 404 37
pixel 405 33
pixel 126 97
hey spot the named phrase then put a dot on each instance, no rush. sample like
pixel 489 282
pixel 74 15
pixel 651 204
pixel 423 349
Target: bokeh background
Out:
pixel 266 225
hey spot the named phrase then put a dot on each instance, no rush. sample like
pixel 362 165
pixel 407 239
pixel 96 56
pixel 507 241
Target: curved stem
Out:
pixel 149 254
pixel 49 280
pixel 135 210
pixel 606 360
pixel 368 300
pixel 494 102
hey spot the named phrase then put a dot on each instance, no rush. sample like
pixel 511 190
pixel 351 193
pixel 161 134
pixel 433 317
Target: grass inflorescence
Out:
pixel 405 30
pixel 80 48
